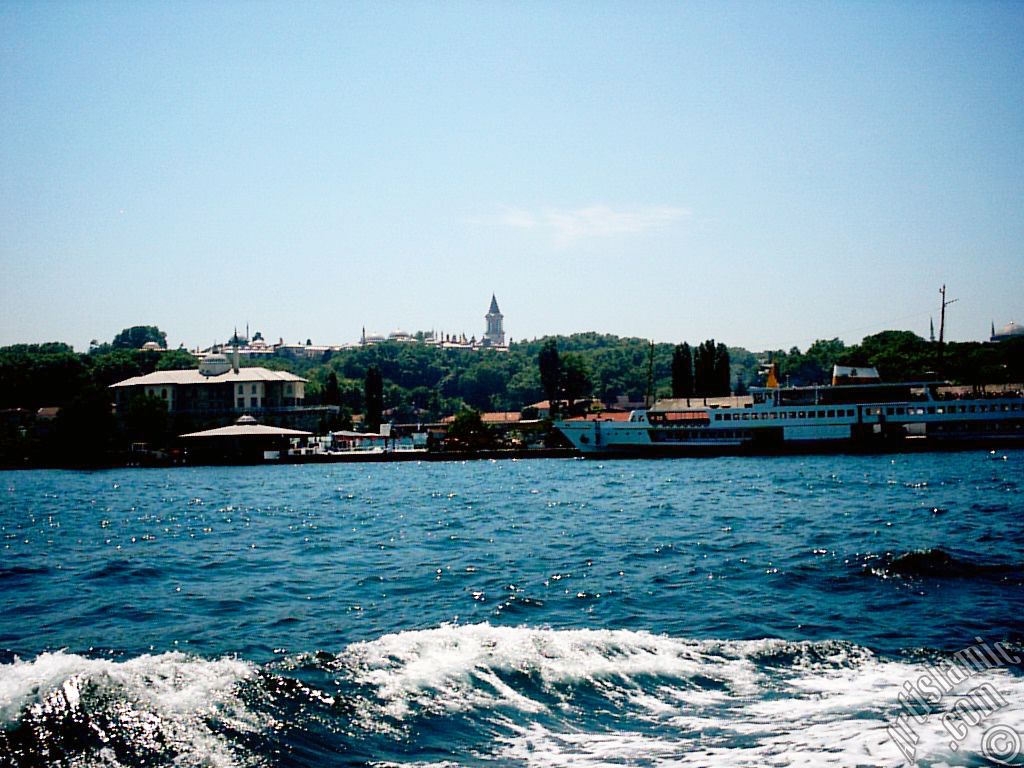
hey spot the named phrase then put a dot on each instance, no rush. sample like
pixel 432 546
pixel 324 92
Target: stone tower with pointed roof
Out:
pixel 495 334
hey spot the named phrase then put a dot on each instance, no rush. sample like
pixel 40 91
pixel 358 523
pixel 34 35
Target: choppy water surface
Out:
pixel 735 611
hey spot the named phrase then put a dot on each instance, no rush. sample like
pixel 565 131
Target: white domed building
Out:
pixel 1009 331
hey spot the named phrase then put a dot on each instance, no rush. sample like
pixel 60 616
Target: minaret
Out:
pixel 495 334
pixel 234 354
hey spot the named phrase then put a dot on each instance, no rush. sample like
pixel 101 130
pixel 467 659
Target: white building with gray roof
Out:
pixel 218 386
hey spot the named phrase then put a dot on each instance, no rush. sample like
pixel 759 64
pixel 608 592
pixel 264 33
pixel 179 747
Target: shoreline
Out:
pixel 547 453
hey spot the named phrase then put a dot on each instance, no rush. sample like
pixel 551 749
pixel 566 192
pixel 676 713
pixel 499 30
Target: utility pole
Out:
pixel 942 314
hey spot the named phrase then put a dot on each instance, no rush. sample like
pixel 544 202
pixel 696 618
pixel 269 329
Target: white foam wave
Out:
pixel 821 734
pixel 460 667
pixel 677 702
pixel 159 701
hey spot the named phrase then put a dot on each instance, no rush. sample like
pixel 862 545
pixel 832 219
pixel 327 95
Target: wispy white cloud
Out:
pixel 596 221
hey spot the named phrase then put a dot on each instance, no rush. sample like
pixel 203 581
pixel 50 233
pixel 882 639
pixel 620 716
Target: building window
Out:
pixel 241 403
pixel 241 389
pixel 253 390
pixel 163 394
pixel 254 402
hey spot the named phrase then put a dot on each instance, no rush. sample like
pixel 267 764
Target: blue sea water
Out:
pixel 734 611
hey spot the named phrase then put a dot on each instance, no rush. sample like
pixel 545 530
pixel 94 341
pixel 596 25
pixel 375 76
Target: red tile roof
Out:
pixel 603 416
pixel 492 417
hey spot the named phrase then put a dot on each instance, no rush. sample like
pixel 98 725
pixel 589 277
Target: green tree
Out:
pixel 524 386
pixel 374 398
pixel 826 353
pixel 482 385
pixel 575 377
pixel 176 360
pixel 332 391
pixel 704 369
pixel 85 429
pixel 898 355
pixel 35 375
pixel 144 420
pixel 711 370
pixel 741 386
pixel 468 432
pixel 682 371
pixel 120 364
pixel 550 366
pixel 722 375
pixel 137 335
pixel 351 394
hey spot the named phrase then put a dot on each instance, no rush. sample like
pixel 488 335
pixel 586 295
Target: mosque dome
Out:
pixel 1009 331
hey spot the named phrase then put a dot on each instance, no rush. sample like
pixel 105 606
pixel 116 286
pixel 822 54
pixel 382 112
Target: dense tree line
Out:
pixel 905 356
pixel 414 382
pixel 53 375
pixel 423 383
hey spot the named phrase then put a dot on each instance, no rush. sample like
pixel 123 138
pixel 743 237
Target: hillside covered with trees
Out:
pixel 424 383
pixel 418 383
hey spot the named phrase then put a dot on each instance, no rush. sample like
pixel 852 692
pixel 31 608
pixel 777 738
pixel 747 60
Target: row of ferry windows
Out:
pixel 944 409
pixel 840 413
pixel 831 413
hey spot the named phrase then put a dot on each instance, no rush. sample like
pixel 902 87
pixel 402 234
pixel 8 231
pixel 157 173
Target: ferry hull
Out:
pixel 816 428
pixel 886 444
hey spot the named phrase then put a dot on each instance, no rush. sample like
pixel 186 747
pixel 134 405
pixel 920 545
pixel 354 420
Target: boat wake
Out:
pixel 492 695
pixel 65 709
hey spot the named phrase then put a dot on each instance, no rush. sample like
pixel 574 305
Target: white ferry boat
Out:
pixel 837 417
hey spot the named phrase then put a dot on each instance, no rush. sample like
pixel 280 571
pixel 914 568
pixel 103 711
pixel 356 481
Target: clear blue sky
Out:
pixel 761 173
